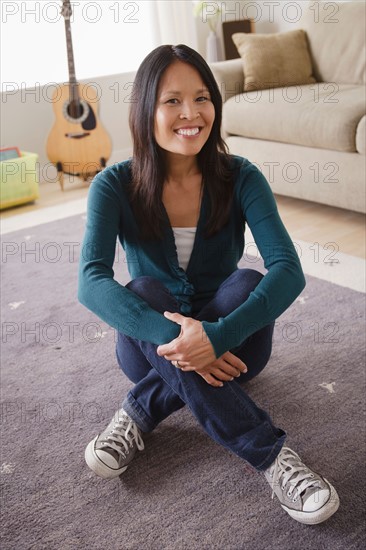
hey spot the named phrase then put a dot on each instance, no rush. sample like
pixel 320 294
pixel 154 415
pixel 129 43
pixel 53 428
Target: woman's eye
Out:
pixel 172 101
pixel 201 99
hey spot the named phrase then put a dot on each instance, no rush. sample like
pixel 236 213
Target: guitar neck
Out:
pixel 74 92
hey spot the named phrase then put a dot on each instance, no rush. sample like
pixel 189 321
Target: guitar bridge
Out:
pixel 75 135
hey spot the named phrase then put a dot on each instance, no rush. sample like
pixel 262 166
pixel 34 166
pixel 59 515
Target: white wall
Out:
pixel 281 15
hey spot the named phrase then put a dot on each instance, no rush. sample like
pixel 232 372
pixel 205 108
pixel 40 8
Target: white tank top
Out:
pixel 184 240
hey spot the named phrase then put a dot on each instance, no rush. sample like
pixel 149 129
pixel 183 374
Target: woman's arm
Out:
pixel 283 282
pixel 121 308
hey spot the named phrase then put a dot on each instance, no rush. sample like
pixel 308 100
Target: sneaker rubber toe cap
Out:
pixel 107 459
pixel 316 500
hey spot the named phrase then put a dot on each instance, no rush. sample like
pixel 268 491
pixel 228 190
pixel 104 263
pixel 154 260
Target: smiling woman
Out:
pixel 192 326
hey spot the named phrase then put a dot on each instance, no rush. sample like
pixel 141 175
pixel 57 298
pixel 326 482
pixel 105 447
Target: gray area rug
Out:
pixel 61 385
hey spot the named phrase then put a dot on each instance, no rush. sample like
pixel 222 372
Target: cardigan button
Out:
pixel 188 290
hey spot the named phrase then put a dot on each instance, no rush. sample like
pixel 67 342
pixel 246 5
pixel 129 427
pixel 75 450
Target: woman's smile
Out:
pixel 188 131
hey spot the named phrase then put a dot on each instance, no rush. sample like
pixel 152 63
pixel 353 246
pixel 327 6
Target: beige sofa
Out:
pixel 309 140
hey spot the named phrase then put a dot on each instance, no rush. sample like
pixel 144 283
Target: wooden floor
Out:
pixel 306 221
pixel 317 223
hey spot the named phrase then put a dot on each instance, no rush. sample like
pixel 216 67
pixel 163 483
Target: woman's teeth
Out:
pixel 188 132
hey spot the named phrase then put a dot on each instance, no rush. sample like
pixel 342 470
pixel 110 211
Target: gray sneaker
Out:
pixel 110 452
pixel 305 495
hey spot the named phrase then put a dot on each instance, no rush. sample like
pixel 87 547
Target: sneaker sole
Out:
pixel 312 518
pixel 97 466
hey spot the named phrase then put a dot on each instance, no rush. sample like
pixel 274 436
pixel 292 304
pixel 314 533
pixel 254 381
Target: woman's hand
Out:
pixel 194 352
pixel 224 369
pixel 191 348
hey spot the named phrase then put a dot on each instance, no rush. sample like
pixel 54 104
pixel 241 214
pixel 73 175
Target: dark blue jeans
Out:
pixel 227 414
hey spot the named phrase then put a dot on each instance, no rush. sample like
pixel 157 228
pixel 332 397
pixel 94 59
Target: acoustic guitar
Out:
pixel 77 144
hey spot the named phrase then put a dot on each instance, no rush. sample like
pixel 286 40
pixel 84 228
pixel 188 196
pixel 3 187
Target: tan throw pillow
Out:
pixel 274 60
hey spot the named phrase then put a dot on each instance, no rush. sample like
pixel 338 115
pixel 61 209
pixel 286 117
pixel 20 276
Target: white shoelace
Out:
pixel 124 432
pixel 289 468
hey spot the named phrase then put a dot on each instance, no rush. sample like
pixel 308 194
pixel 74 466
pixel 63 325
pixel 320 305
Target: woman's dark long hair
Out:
pixel 148 165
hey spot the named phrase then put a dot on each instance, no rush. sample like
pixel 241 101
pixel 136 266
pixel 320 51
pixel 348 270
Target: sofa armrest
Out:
pixel 229 76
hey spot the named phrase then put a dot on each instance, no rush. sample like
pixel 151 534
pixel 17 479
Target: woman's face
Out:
pixel 184 113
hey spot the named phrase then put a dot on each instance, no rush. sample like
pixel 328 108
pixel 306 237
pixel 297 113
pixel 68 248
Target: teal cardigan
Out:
pixel 213 259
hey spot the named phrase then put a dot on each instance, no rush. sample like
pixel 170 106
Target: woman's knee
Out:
pixel 250 277
pixel 241 283
pixel 143 284
pixel 154 293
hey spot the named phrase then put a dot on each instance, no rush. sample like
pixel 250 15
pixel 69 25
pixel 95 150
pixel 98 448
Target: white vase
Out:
pixel 213 48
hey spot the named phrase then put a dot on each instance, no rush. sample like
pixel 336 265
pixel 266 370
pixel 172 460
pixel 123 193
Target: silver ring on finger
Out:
pixel 178 365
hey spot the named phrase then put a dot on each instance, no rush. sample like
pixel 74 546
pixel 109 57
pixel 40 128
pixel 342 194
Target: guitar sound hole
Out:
pixel 75 109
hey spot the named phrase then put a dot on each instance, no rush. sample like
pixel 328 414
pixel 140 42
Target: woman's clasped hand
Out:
pixel 193 351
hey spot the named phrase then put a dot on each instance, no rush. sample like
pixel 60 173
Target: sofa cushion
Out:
pixel 317 115
pixel 229 77
pixel 274 60
pixel 336 34
pixel 361 136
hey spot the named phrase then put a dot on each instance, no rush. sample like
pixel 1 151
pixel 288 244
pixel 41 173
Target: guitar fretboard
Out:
pixel 74 92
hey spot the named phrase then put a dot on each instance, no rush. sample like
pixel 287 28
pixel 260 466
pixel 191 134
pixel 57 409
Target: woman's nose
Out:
pixel 189 112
